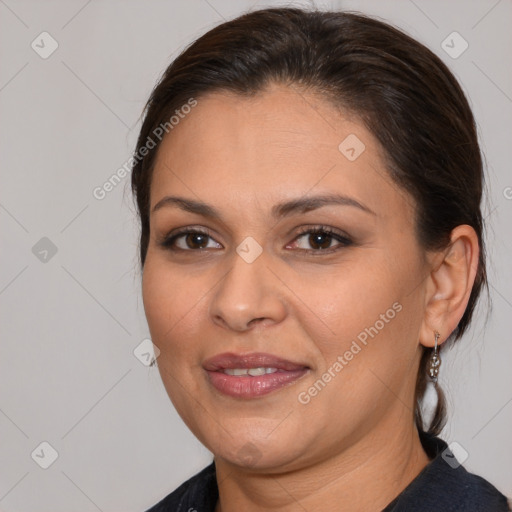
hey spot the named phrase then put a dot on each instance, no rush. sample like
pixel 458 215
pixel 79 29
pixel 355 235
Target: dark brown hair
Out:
pixel 399 89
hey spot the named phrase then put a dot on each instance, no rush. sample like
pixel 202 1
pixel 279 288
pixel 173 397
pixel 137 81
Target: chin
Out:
pixel 257 453
pixel 251 457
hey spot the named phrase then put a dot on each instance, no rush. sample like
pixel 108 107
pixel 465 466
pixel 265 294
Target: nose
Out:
pixel 248 295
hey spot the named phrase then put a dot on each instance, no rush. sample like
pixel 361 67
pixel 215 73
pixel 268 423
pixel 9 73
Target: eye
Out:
pixel 188 239
pixel 320 239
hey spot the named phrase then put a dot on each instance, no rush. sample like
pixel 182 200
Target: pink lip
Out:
pixel 246 386
pixel 252 360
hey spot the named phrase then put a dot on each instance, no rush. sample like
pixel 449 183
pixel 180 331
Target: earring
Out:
pixel 435 361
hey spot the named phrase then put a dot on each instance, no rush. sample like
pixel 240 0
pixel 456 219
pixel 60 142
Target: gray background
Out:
pixel 70 321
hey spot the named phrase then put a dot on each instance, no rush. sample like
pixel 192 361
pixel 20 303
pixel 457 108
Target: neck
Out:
pixel 365 477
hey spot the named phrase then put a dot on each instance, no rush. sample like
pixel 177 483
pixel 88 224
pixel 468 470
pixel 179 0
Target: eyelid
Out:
pixel 323 229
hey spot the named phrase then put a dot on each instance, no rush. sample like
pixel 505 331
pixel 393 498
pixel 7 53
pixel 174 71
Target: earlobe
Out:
pixel 449 285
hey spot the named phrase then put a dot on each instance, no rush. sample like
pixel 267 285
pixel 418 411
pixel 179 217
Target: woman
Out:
pixel 309 189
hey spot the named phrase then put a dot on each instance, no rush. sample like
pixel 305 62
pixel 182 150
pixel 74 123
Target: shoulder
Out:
pixel 480 494
pixel 198 493
pixel 445 485
pixel 469 492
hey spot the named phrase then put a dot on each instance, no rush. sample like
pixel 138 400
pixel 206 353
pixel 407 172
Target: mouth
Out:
pixel 251 375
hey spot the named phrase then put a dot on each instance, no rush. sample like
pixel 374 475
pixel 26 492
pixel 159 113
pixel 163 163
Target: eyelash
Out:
pixel 345 241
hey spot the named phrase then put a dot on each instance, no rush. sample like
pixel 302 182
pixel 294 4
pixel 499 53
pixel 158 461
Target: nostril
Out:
pixel 256 320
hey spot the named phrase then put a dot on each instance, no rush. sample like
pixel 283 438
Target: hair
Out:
pixel 399 89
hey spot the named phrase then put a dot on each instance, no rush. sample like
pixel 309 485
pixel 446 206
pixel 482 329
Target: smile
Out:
pixel 248 376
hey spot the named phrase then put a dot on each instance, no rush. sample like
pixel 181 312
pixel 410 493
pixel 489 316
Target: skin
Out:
pixel 355 441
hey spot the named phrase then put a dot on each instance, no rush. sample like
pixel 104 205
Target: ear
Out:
pixel 449 285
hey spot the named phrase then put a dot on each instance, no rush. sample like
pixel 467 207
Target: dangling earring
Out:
pixel 435 361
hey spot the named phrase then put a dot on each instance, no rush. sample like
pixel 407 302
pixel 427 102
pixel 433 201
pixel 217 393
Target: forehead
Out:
pixel 282 143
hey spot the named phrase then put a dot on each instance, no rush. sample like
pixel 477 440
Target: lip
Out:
pixel 251 360
pixel 248 387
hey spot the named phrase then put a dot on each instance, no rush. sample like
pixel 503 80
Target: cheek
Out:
pixel 367 358
pixel 158 299
pixel 169 303
pixel 172 309
pixel 373 321
pixel 350 301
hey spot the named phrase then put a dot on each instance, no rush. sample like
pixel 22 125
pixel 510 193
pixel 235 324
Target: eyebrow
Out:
pixel 300 205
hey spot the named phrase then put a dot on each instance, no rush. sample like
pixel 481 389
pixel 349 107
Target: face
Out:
pixel 283 289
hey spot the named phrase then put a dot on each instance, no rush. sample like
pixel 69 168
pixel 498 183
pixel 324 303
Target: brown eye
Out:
pixel 196 240
pixel 321 239
pixel 190 240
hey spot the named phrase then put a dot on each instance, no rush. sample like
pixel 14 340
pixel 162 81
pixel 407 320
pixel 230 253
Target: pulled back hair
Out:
pixel 400 90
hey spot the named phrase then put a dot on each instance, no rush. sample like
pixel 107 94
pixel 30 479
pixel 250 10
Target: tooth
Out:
pixel 236 371
pixel 255 372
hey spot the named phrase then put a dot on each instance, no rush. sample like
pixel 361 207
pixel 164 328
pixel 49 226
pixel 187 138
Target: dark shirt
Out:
pixel 442 486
